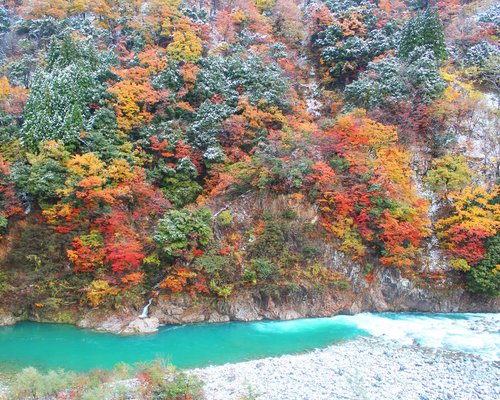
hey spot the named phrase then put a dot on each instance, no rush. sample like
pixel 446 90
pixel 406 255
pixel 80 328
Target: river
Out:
pixel 50 346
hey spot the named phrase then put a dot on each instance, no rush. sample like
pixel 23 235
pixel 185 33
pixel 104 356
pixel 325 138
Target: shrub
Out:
pixel 271 242
pixel 289 214
pixel 367 268
pixel 4 223
pixel 98 291
pixel 292 289
pixel 341 285
pixel 310 252
pixel 98 392
pixel 250 276
pixel 225 218
pixel 265 269
pixel 271 290
pixel 181 192
pixel 317 289
pixel 220 289
pixel 157 381
pixel 459 264
pixel 165 382
pixel 4 285
pixel 216 265
pixel 31 384
pixel 448 173
pixel 182 229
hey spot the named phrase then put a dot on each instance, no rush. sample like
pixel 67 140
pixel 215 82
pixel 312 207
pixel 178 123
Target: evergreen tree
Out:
pixel 426 30
pixel 58 107
pixel 4 20
pixel 485 277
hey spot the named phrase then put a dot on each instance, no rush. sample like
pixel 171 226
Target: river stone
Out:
pixel 363 369
pixel 7 319
pixel 113 323
pixel 142 325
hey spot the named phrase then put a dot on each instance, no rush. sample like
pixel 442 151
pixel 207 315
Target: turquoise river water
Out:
pixel 49 346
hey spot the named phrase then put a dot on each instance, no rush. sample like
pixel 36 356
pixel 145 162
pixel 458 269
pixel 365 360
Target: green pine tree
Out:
pixel 423 30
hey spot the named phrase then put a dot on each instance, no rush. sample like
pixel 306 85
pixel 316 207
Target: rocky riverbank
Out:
pixel 367 368
pixel 391 293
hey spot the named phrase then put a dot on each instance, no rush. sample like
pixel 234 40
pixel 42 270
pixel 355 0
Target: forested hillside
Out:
pixel 209 148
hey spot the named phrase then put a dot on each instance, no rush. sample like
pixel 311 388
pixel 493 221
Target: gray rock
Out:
pixel 216 317
pixel 142 325
pixel 7 319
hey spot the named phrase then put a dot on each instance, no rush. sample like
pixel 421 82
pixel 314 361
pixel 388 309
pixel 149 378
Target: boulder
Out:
pixel 142 325
pixel 7 319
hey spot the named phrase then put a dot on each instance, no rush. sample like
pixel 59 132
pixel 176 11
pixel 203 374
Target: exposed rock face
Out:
pixel 391 293
pixel 403 295
pixel 179 310
pixel 243 307
pixel 6 319
pixel 215 317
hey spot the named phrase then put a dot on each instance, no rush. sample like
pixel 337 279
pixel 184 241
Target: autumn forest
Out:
pixel 209 148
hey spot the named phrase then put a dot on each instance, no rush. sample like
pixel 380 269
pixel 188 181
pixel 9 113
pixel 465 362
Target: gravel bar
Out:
pixel 366 368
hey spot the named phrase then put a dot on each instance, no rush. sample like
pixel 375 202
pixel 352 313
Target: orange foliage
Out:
pixel 475 218
pixel 184 280
pixel 381 209
pixel 116 205
pixel 9 203
pixel 12 98
pixel 135 95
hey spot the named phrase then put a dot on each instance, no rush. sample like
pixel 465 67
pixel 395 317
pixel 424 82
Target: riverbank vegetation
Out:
pixel 133 133
pixel 148 381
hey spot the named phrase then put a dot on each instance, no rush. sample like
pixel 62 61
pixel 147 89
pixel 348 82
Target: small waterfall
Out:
pixel 145 310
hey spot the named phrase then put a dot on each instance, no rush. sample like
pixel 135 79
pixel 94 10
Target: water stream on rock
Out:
pixel 145 310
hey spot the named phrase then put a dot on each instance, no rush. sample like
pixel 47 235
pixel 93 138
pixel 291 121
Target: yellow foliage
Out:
pixel 85 165
pixel 379 135
pixel 393 171
pixel 239 16
pixel 448 77
pixel 264 5
pixel 5 88
pixel 456 84
pixel 474 210
pixel 12 98
pixel 77 7
pixel 162 15
pixel 130 105
pixel 49 149
pixel 352 244
pixel 98 290
pixel 185 46
pixel 120 171
pixel 451 95
pixel 59 210
pixel 459 264
pixel 46 8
